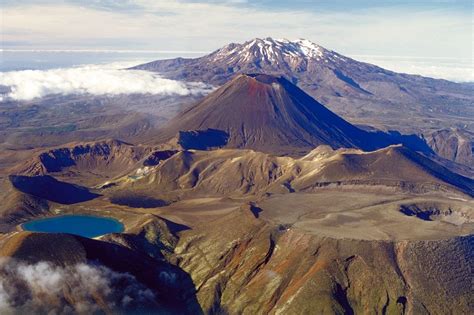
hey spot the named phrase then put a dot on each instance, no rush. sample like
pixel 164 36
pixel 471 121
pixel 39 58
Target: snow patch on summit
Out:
pixel 275 50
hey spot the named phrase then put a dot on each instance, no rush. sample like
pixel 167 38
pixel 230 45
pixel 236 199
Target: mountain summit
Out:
pixel 271 56
pixel 271 114
pixel 362 93
pixel 270 51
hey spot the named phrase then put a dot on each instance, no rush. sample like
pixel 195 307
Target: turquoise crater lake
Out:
pixel 82 225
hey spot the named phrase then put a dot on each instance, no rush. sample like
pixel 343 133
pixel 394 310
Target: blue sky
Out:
pixel 432 29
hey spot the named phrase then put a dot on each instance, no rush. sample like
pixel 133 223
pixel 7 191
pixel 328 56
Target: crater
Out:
pixel 431 212
pixel 49 188
pixel 82 225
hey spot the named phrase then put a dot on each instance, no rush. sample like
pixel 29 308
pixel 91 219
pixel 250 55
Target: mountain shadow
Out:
pixel 49 188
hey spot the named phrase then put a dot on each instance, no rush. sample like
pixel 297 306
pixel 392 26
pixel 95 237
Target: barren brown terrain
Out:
pixel 250 232
pixel 255 199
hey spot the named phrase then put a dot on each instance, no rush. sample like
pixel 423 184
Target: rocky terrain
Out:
pixel 279 269
pixel 107 159
pixel 243 172
pixel 256 199
pixel 362 93
pixel 243 231
pixel 253 233
pixel 453 144
pixel 56 120
pixel 270 114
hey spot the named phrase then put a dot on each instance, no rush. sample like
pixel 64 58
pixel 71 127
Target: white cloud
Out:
pixel 457 70
pixel 181 25
pixel 108 79
pixel 46 288
pixel 431 31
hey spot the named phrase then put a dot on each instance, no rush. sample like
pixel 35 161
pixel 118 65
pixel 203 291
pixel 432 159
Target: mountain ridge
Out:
pixel 361 93
pixel 270 114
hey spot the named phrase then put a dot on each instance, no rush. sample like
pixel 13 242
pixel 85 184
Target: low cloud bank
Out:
pixel 43 288
pixel 456 70
pixel 92 79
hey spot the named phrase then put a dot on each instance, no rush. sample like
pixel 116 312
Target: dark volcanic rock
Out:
pixel 363 93
pixel 268 114
pixel 357 90
pixel 251 267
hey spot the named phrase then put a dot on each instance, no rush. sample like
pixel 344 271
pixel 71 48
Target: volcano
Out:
pixel 362 93
pixel 267 113
pixel 356 90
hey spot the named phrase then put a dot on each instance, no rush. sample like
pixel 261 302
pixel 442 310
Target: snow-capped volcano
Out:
pixel 272 56
pixel 272 50
pixel 275 52
pixel 358 91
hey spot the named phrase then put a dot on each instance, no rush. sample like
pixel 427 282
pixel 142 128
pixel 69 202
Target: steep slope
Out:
pixel 360 92
pixel 241 265
pixel 244 172
pixel 333 232
pixel 453 144
pixel 86 162
pixel 48 188
pixel 270 114
pixel 17 205
pixel 396 163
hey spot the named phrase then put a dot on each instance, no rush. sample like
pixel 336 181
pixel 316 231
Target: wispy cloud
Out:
pixel 43 288
pixel 206 25
pixel 108 79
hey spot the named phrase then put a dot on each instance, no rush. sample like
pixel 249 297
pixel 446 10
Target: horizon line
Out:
pixel 201 52
pixel 104 50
